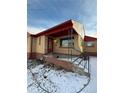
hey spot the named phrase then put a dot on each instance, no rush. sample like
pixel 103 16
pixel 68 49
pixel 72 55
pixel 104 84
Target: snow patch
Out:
pixel 60 81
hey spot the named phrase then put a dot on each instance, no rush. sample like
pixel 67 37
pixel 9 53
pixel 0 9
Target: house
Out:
pixel 66 38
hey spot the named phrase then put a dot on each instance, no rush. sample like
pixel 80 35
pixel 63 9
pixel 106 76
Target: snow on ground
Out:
pixel 92 87
pixel 60 81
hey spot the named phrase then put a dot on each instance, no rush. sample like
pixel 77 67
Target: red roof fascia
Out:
pixel 88 38
pixel 64 26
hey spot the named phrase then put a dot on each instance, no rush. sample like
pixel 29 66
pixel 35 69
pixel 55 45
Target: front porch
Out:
pixel 64 42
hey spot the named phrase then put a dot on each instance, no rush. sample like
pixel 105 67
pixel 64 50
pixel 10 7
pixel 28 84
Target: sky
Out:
pixel 43 14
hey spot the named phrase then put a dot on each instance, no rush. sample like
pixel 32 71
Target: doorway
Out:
pixel 50 45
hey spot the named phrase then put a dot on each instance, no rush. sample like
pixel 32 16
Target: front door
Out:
pixel 50 45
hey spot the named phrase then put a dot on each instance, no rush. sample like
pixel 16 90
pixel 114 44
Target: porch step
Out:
pixel 59 63
pixel 68 66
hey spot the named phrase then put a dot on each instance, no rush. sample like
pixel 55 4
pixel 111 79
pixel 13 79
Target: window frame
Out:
pixel 67 38
pixel 91 44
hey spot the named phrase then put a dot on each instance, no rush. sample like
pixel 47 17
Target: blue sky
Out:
pixel 43 14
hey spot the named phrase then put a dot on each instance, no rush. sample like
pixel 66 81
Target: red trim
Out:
pixel 88 38
pixel 63 26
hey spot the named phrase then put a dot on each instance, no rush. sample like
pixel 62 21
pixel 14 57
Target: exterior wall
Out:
pixel 40 44
pixel 92 49
pixel 79 29
pixel 79 41
pixel 46 44
pixel 81 33
pixel 28 46
pixel 32 54
pixel 39 47
pixel 33 44
pixel 63 50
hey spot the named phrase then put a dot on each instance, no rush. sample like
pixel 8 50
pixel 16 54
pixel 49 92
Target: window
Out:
pixel 39 40
pixel 67 42
pixel 90 44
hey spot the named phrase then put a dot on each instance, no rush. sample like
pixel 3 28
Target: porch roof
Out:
pixel 61 27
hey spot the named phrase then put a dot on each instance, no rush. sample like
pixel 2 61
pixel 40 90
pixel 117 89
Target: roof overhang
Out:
pixel 89 38
pixel 58 28
pixel 62 29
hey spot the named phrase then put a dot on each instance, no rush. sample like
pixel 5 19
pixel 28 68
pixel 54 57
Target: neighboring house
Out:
pixel 90 45
pixel 66 38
